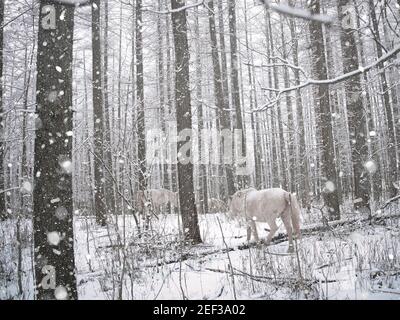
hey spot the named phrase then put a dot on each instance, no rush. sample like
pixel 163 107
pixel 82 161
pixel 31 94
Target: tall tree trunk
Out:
pixel 223 115
pixel 273 163
pixel 304 176
pixel 2 124
pixel 99 197
pixel 140 118
pixel 188 210
pixel 281 141
pixel 242 180
pixel 224 65
pixel 375 177
pixel 252 99
pixel 107 128
pixel 52 204
pixel 391 175
pixel 324 116
pixel 162 94
pixel 355 113
pixel 203 197
pixel 170 103
pixel 290 112
pixel 340 136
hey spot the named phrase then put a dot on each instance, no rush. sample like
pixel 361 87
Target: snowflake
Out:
pixel 370 166
pixel 53 238
pixel 61 293
pixel 330 187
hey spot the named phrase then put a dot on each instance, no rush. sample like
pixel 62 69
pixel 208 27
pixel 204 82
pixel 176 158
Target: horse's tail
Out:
pixel 295 213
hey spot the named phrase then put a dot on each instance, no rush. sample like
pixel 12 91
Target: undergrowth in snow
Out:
pixel 349 261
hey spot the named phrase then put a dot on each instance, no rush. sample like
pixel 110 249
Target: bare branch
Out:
pixel 341 78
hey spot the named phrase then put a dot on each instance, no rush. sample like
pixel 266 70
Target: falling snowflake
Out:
pixel 370 166
pixel 61 213
pixel 67 165
pixel 61 293
pixel 330 187
pixel 53 238
pixel 52 96
pixel 26 187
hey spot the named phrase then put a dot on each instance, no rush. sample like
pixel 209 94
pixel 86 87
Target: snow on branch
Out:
pixel 296 12
pixel 189 6
pixel 338 79
pixel 75 3
pixel 390 201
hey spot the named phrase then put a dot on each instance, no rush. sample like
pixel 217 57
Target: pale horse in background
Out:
pixel 157 198
pixel 266 206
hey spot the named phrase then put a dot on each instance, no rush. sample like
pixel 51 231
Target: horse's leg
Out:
pixel 288 226
pixel 254 228
pixel 273 228
pixel 248 232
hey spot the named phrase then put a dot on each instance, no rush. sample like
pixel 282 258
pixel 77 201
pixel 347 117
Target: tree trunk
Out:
pixel 223 115
pixel 281 139
pixel 188 209
pixel 2 124
pixel 303 181
pixel 355 113
pixel 324 116
pixel 242 180
pixel 110 200
pixel 140 118
pixel 99 196
pixel 52 204
pixel 203 196
pixel 391 175
pixel 375 177
pixel 224 65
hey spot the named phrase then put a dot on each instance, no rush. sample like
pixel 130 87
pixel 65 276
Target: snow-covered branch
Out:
pixel 338 79
pixel 189 6
pixel 297 12
pixel 75 3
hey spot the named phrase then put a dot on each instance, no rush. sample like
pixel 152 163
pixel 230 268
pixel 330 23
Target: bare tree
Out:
pixel 184 121
pixel 52 204
pixel 140 116
pixel 2 125
pixel 391 175
pixel 355 111
pixel 99 196
pixel 242 180
pixel 324 116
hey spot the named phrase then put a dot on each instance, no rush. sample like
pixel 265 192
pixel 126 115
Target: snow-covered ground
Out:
pixel 353 261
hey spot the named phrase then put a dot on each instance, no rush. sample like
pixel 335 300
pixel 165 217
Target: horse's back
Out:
pixel 266 204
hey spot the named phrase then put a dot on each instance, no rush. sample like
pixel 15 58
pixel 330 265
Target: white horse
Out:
pixel 157 198
pixel 266 206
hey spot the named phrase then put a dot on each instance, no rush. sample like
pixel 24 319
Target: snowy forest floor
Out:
pixel 356 259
